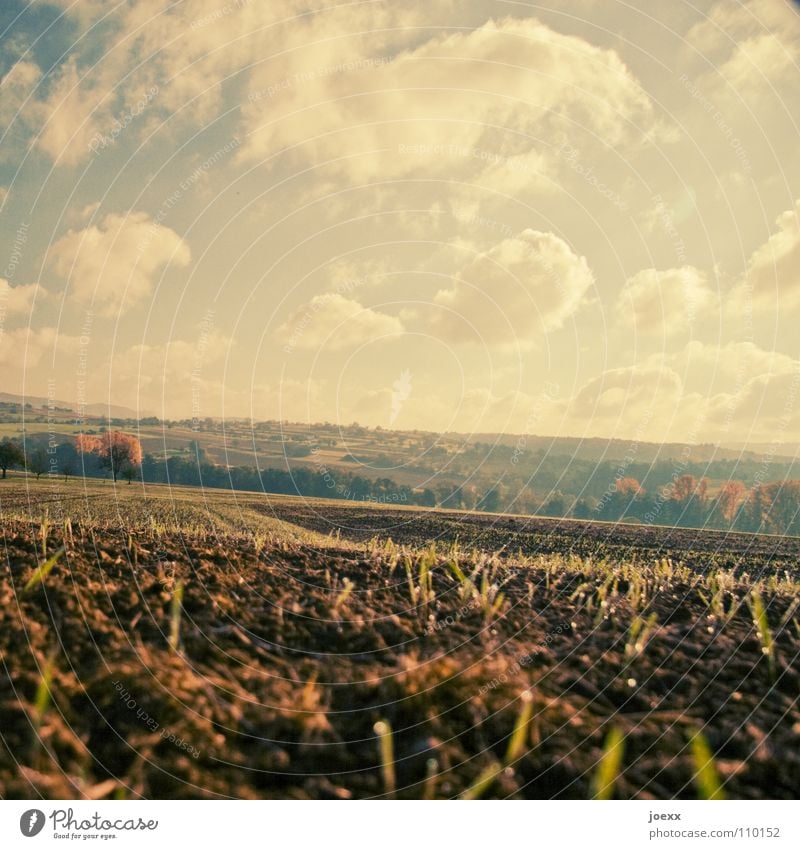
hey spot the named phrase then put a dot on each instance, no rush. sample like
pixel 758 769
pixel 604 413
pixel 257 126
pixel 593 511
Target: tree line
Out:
pixel 689 502
pixel 685 500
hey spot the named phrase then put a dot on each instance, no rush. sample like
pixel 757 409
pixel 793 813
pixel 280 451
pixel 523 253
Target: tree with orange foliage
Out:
pixel 687 497
pixel 628 486
pixel 731 497
pixel 686 487
pixel 780 505
pixel 117 451
pixel 622 498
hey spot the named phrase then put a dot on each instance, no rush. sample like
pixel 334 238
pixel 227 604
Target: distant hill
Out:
pixel 594 449
pixel 113 411
pixel 600 448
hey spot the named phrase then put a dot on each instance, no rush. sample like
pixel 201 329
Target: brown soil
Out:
pixel 289 654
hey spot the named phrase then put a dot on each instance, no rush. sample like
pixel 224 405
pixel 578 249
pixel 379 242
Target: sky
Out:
pixel 569 218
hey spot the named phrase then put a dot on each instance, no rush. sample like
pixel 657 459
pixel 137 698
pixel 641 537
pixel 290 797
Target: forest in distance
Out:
pixel 744 492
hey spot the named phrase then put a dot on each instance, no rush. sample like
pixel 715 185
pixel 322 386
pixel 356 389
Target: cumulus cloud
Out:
pixel 464 102
pixel 515 293
pixel 751 51
pixel 115 263
pixel 726 25
pixel 645 402
pixel 182 378
pixel 18 300
pixel 335 322
pixel 190 49
pixel 25 348
pixel 772 278
pixel 766 408
pixel 665 303
pixel 653 402
pixel 17 86
pixel 726 367
pixel 763 59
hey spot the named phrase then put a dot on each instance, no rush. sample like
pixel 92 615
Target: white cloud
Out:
pixel 762 59
pixel 183 377
pixel 658 304
pixel 335 322
pixel 464 102
pixel 115 263
pixel 189 50
pixel 24 348
pixel 515 293
pixel 645 402
pixel 767 408
pixel 16 86
pixel 728 24
pixel 772 278
pixel 652 402
pixel 725 368
pixel 751 50
pixel 18 300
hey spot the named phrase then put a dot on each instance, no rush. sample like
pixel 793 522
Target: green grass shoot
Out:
pixel 516 744
pixel 515 750
pixel 431 779
pixel 386 750
pixel 175 617
pixel 706 776
pixel 763 630
pixel 610 766
pixel 484 781
pixel 43 697
pixel 43 571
